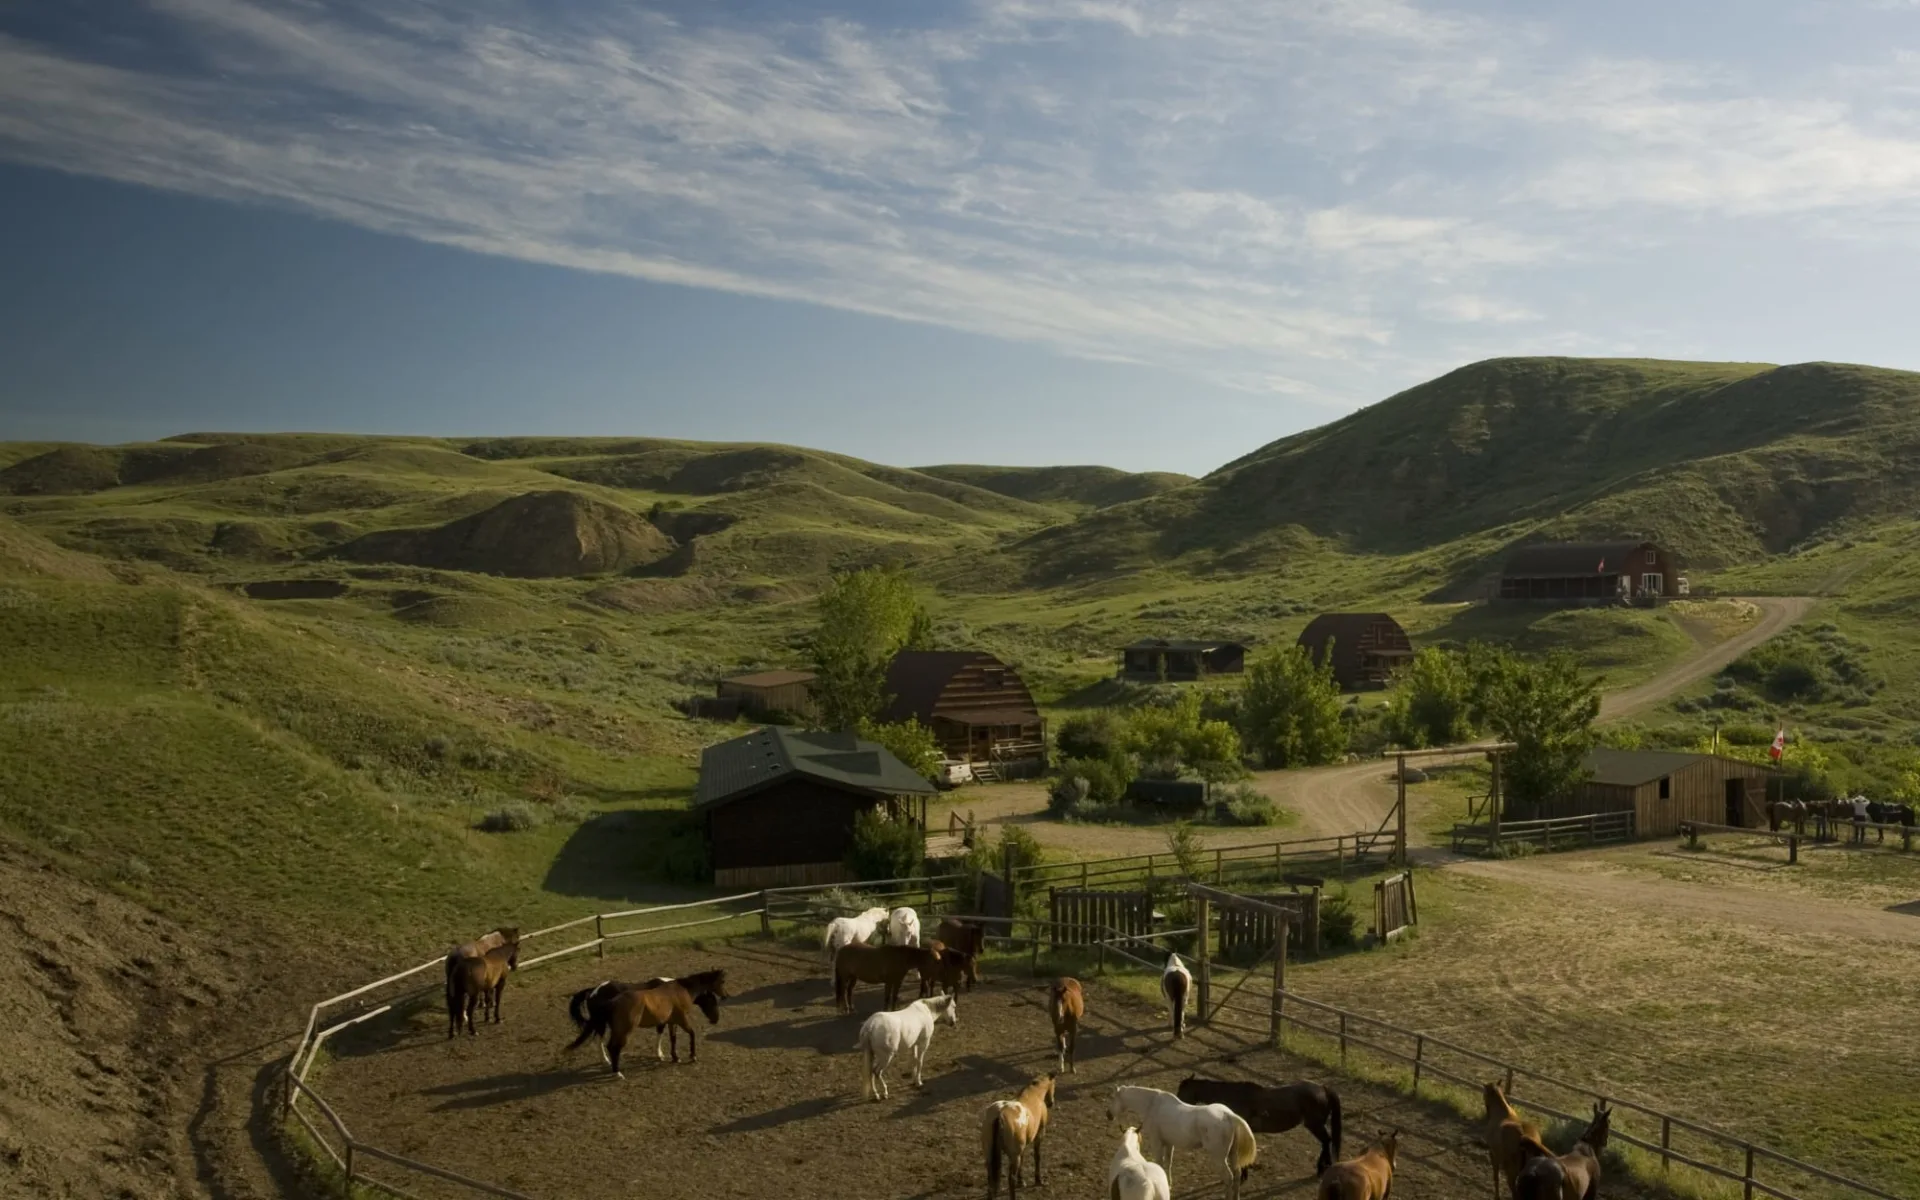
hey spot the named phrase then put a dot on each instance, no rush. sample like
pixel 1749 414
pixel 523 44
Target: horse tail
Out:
pixel 991 1136
pixel 588 1022
pixel 1245 1149
pixel 1333 1119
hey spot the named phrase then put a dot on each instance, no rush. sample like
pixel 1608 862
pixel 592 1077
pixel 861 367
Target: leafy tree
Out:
pixel 1100 734
pixel 1546 707
pixel 1178 733
pixel 1290 710
pixel 865 618
pixel 1434 704
pixel 885 849
pixel 910 741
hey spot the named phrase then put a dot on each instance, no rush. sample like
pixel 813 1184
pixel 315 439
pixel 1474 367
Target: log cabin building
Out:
pixel 1639 572
pixel 1366 648
pixel 766 693
pixel 1661 789
pixel 777 806
pixel 1152 659
pixel 978 707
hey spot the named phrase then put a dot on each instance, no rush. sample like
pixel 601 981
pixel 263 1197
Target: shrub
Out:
pixel 684 857
pixel 885 849
pixel 910 742
pixel 1244 805
pixel 1106 781
pixel 1100 734
pixel 572 810
pixel 1290 710
pixel 1433 704
pixel 1186 847
pixel 516 817
pixel 1068 794
pixel 1339 924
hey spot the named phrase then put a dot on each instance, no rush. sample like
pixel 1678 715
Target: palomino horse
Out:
pixel 1510 1140
pixel 845 931
pixel 1008 1127
pixel 886 1034
pixel 1167 1124
pixel 1131 1175
pixel 884 965
pixel 1571 1176
pixel 1275 1109
pixel 1067 1005
pixel 1176 984
pixel 1368 1177
pixel 614 1010
pixel 947 970
pixel 477 975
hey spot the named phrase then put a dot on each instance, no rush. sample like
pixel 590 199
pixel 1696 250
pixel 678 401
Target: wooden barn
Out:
pixel 1661 789
pixel 1367 648
pixel 1159 658
pixel 1590 573
pixel 978 707
pixel 777 806
pixel 768 692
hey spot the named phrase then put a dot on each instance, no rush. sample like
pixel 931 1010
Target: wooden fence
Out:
pixel 1083 918
pixel 1395 909
pixel 1554 833
pixel 1345 853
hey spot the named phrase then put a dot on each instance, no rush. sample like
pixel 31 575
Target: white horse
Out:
pixel 844 931
pixel 1132 1175
pixel 1176 984
pixel 886 1034
pixel 1168 1124
pixel 903 928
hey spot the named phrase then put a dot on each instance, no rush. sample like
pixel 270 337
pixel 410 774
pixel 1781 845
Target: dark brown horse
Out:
pixel 947 969
pixel 885 965
pixel 1572 1176
pixel 477 976
pixel 1275 1109
pixel 963 936
pixel 612 1011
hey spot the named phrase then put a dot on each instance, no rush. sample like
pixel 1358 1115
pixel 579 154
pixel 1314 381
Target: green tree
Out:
pixel 1546 708
pixel 865 618
pixel 1179 733
pixel 910 741
pixel 885 849
pixel 1099 734
pixel 1290 710
pixel 1434 702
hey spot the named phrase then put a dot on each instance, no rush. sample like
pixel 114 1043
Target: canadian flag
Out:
pixel 1779 745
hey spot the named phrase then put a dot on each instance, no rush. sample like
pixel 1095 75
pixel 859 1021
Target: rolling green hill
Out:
pixel 1078 488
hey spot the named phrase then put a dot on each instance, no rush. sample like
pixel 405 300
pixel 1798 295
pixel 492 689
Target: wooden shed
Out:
pixel 767 692
pixel 1367 648
pixel 778 806
pixel 1661 789
pixel 1173 659
pixel 978 707
pixel 1590 573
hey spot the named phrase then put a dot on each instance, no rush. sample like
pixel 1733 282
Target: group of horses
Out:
pixel 1836 814
pixel 1532 1170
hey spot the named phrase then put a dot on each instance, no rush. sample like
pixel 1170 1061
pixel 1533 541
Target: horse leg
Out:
pixel 1037 1181
pixel 659 1038
pixel 499 990
pixel 473 1002
pixel 1319 1130
pixel 693 1048
pixel 1073 1048
pixel 616 1039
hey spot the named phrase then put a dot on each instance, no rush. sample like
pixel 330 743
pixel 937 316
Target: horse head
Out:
pixel 1494 1099
pixel 1596 1135
pixel 951 1011
pixel 1389 1144
pixel 1052 1076
pixel 513 955
pixel 709 1004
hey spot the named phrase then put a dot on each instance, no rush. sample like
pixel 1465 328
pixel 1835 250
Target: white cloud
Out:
pixel 1281 198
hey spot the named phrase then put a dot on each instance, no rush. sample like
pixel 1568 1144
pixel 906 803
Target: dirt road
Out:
pixel 1776 614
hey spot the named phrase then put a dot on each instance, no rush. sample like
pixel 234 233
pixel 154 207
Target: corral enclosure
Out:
pixel 773 1107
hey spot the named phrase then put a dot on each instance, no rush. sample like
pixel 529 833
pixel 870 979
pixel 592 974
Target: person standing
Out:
pixel 1860 820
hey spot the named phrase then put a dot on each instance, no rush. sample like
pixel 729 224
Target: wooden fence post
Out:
pixel 1666 1142
pixel 1509 1088
pixel 1206 971
pixel 600 934
pixel 1343 1040
pixel 766 916
pixel 1400 820
pixel 1419 1056
pixel 349 1160
pixel 1217 852
pixel 1749 1176
pixel 1083 874
pixel 1279 1014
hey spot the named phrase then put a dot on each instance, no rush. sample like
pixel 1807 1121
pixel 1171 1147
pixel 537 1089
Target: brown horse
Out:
pixel 1275 1109
pixel 477 976
pixel 1572 1176
pixel 946 969
pixel 1008 1127
pixel 963 936
pixel 1787 812
pixel 1067 1005
pixel 1369 1177
pixel 614 1010
pixel 1511 1142
pixel 885 965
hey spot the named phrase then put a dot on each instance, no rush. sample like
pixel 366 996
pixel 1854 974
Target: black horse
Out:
pixel 1275 1109
pixel 1881 813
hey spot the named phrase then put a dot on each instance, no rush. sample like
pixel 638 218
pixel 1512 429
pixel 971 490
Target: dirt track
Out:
pixel 1776 614
pixel 772 1107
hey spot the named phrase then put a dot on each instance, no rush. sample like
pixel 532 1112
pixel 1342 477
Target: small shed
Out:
pixel 767 692
pixel 978 707
pixel 1590 573
pixel 1661 789
pixel 1173 659
pixel 777 806
pixel 1366 648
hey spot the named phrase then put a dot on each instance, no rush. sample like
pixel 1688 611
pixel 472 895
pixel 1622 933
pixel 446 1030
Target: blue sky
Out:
pixel 1149 234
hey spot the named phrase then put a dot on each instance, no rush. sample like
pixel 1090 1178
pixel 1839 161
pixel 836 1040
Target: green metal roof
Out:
pixel 1631 768
pixel 744 765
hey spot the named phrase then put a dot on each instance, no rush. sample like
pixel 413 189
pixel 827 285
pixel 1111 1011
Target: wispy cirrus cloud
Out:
pixel 1296 198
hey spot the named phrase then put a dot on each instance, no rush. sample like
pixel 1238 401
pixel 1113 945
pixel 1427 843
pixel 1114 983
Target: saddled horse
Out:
pixel 1275 1109
pixel 1571 1176
pixel 1787 812
pixel 1368 1177
pixel 885 965
pixel 1009 1127
pixel 477 976
pixel 1881 812
pixel 612 1011
pixel 1510 1141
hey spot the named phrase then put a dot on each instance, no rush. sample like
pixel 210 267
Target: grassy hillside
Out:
pixel 1728 462
pixel 1076 488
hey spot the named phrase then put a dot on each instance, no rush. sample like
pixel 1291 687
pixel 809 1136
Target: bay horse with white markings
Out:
pixel 1571 1176
pixel 1008 1127
pixel 612 1011
pixel 885 965
pixel 477 976
pixel 1275 1109
pixel 1067 1005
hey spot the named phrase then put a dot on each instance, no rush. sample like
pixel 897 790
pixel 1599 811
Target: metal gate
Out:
pixel 1083 918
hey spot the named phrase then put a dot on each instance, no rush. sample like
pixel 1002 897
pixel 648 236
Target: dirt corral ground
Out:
pixel 773 1107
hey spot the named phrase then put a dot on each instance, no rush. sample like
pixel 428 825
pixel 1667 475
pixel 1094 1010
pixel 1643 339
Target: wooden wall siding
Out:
pixel 1696 792
pixel 799 821
pixel 1598 587
pixel 1082 918
pixel 788 698
pixel 976 690
pixel 783 875
pixel 1252 928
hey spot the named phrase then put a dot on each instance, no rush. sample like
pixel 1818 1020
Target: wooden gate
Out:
pixel 1394 907
pixel 1083 918
pixel 1245 931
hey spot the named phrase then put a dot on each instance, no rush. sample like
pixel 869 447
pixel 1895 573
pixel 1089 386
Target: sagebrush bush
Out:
pixel 1106 780
pixel 1339 924
pixel 1243 804
pixel 517 817
pixel 884 849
